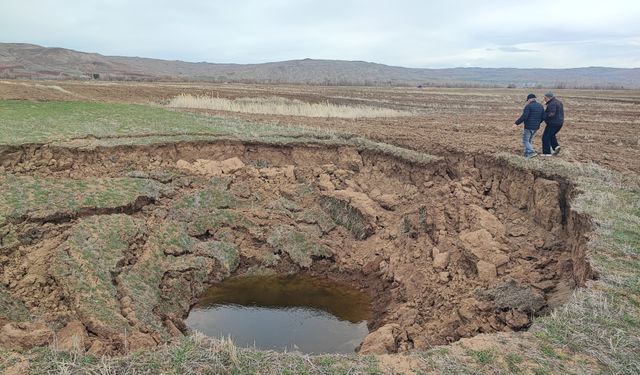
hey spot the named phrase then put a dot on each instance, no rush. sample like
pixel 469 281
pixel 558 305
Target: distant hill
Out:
pixel 30 61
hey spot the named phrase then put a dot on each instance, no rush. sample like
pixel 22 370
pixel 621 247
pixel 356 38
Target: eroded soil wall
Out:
pixel 134 234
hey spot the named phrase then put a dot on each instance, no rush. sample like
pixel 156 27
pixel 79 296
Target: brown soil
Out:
pixel 447 249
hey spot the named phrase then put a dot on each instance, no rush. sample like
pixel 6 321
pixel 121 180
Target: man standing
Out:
pixel 554 117
pixel 532 116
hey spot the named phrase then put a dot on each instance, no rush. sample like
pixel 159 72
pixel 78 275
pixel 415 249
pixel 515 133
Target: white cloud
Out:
pixel 544 33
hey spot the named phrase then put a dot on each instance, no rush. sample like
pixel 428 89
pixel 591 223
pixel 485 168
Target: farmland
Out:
pixel 118 209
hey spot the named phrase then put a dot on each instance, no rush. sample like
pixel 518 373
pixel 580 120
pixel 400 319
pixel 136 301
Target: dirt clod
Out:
pixel 73 337
pixel 512 295
pixel 25 335
pixel 383 340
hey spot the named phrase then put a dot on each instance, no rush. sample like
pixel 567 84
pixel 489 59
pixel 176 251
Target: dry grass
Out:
pixel 281 106
pixel 195 354
pixel 600 324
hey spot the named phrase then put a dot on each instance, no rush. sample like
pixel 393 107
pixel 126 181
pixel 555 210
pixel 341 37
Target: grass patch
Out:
pixel 202 201
pixel 197 354
pixel 42 122
pixel 83 266
pixel 541 371
pixel 548 351
pixel 513 362
pixel 227 254
pixel 12 308
pixel 298 245
pixel 106 124
pixel 348 216
pixel 210 222
pixel 484 357
pixel 171 250
pixel 316 216
pixel 25 197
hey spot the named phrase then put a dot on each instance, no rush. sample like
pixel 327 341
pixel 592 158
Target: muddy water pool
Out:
pixel 284 313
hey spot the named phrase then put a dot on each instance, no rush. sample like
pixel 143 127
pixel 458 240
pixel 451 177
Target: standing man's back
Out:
pixel 554 118
pixel 554 114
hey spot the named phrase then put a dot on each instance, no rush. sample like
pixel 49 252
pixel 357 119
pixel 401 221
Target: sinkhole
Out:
pixel 128 247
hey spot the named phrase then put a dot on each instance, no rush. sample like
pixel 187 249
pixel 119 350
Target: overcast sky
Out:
pixel 429 34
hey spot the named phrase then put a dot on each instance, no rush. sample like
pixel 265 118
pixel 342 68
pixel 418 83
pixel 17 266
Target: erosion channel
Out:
pixel 110 247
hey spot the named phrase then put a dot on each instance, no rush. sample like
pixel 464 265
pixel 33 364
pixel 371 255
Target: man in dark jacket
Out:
pixel 532 116
pixel 554 118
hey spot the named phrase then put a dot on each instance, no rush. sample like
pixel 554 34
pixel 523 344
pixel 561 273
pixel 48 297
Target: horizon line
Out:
pixel 317 59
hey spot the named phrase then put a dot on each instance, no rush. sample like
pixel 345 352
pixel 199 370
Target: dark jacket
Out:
pixel 532 116
pixel 554 114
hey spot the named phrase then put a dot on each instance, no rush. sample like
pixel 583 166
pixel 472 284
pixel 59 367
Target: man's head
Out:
pixel 530 97
pixel 548 96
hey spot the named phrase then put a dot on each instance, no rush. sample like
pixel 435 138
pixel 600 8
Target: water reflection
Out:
pixel 284 313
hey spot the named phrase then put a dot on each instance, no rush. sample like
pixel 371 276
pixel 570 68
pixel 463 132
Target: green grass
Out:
pixel 142 281
pixel 513 361
pixel 227 254
pixel 284 206
pixel 316 216
pixel 42 122
pixel 484 357
pixel 48 199
pixel 212 200
pixel 212 221
pixel 548 351
pixel 26 122
pixel 170 249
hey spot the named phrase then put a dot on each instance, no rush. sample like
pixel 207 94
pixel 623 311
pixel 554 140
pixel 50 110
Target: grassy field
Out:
pixel 597 331
pixel 37 122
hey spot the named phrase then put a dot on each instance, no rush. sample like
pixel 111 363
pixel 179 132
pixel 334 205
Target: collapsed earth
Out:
pixel 111 230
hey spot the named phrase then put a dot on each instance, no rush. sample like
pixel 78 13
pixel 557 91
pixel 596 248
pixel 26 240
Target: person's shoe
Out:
pixel 547 154
pixel 532 155
pixel 556 150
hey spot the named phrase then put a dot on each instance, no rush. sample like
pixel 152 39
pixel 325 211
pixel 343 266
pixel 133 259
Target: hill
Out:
pixel 18 60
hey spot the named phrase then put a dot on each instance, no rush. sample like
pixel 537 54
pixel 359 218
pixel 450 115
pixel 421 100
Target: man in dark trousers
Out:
pixel 554 118
pixel 532 116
